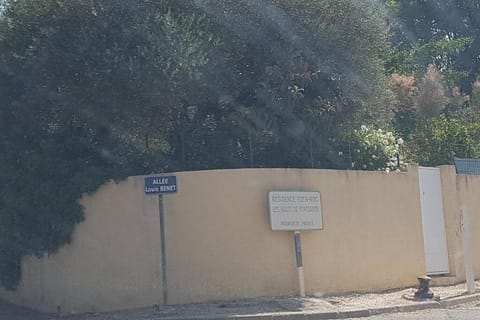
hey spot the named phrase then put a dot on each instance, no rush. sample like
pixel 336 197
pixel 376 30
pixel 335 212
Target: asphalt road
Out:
pixel 10 312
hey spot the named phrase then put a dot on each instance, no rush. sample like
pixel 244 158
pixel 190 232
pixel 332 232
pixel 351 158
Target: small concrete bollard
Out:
pixel 423 291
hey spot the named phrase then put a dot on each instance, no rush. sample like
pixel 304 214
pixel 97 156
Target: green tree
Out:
pixel 88 90
pixel 95 90
pixel 438 140
pixel 300 70
pixel 442 32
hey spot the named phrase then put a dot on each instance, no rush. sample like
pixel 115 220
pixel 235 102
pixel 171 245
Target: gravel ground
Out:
pixel 265 305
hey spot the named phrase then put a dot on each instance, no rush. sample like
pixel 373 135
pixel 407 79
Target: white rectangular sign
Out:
pixel 295 210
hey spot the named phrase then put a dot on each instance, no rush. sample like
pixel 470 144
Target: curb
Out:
pixel 420 306
pixel 459 300
pixel 361 313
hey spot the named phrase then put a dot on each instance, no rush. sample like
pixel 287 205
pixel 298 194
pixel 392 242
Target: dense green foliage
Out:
pixel 436 141
pixel 98 90
pixel 369 148
pixel 286 76
pixel 80 92
pixel 444 32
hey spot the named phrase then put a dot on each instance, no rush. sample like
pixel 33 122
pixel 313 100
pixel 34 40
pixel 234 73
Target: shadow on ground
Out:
pixel 11 312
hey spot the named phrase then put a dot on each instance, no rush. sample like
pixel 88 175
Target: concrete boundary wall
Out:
pixel 219 245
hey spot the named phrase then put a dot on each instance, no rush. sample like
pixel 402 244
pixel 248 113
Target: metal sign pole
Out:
pixel 159 185
pixel 298 256
pixel 163 249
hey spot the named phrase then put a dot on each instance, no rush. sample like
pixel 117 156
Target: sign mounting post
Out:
pixel 298 256
pixel 158 186
pixel 296 211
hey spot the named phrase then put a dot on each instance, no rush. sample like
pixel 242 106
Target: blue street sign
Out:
pixel 160 185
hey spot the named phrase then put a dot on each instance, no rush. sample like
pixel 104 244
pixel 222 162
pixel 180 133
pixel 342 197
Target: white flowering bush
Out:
pixel 370 148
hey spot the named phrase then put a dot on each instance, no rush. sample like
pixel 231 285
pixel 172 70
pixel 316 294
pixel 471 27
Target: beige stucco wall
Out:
pixel 468 191
pixel 220 246
pixel 451 209
pixel 461 191
pixel 113 261
pixel 373 234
